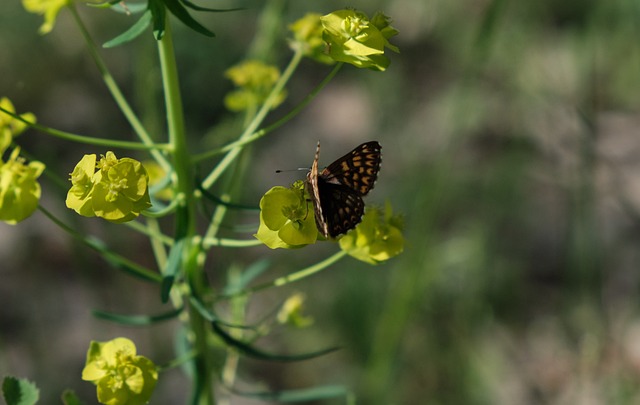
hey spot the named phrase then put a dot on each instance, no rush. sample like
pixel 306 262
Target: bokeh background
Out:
pixel 511 140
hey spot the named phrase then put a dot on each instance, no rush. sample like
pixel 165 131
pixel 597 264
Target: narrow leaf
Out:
pixel 173 265
pixel 183 15
pixel 253 271
pixel 136 320
pixel 19 391
pixel 259 354
pixel 211 317
pixel 213 10
pixel 301 395
pixel 133 32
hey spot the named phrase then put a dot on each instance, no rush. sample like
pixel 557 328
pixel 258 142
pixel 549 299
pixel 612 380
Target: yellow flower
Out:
pixel 377 238
pixel 355 39
pixel 307 36
pixel 11 127
pixel 254 80
pixel 122 377
pixel 118 191
pixel 286 218
pixel 48 8
pixel 19 190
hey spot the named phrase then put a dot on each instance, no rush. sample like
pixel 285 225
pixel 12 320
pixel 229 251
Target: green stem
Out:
pixel 298 275
pixel 152 230
pixel 117 94
pixel 255 123
pixel 259 134
pixel 236 243
pixel 202 393
pixel 87 139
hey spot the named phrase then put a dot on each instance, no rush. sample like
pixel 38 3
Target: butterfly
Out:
pixel 337 191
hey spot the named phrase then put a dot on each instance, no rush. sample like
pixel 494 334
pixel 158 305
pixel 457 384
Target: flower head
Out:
pixel 307 36
pixel 377 238
pixel 254 80
pixel 11 127
pixel 19 190
pixel 117 191
pixel 48 8
pixel 122 377
pixel 355 39
pixel 286 218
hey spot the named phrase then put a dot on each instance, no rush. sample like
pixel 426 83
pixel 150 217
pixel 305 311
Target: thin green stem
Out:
pixel 236 243
pixel 118 96
pixel 87 139
pixel 298 275
pixel 255 123
pixel 152 231
pixel 173 205
pixel 259 134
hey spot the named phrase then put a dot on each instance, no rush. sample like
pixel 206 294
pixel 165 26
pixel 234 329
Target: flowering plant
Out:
pixel 164 185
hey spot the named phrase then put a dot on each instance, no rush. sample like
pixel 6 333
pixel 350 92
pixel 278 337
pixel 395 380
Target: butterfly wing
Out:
pixel 339 209
pixel 357 170
pixel 337 191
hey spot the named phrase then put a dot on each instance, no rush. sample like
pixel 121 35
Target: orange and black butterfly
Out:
pixel 337 191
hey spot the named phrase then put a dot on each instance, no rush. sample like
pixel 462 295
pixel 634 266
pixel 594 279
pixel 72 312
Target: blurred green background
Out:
pixel 510 133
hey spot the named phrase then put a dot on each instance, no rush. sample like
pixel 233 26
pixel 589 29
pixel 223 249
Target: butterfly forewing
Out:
pixel 357 169
pixel 337 191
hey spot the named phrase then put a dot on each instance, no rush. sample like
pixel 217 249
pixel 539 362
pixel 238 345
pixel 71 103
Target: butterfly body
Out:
pixel 337 191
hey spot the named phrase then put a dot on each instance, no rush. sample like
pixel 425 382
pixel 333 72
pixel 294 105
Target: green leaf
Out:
pixel 259 354
pixel 118 261
pixel 173 265
pixel 136 29
pixel 253 271
pixel 70 398
pixel 136 320
pixel 19 391
pixel 213 10
pixel 183 15
pixel 211 317
pixel 301 395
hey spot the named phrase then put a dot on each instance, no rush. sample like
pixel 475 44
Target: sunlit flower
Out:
pixel 122 377
pixel 355 39
pixel 114 189
pixel 48 8
pixel 286 218
pixel 292 312
pixel 19 190
pixel 11 127
pixel 254 80
pixel 307 36
pixel 377 238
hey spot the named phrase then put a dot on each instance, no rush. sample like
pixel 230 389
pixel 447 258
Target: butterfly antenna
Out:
pixel 293 170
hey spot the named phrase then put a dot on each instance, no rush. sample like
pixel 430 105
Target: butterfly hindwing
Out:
pixel 337 191
pixel 342 209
